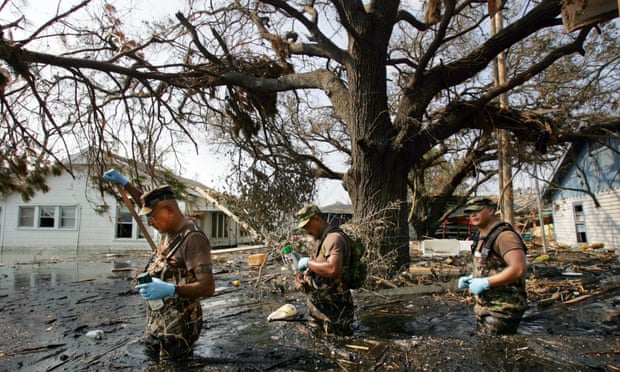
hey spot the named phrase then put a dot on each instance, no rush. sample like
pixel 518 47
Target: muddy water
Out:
pixel 36 277
pixel 412 320
pixel 47 309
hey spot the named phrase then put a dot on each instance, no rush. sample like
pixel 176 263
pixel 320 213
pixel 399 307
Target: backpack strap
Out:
pixel 331 230
pixel 176 242
pixel 489 240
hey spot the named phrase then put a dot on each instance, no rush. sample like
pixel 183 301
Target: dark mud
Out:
pixel 48 308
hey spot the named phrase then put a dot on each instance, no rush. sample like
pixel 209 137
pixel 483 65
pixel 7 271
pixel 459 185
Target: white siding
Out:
pixel 93 231
pixel 601 223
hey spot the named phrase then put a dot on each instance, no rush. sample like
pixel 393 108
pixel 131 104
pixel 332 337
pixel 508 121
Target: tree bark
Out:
pixel 377 178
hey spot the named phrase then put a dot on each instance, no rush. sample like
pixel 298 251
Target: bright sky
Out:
pixel 210 169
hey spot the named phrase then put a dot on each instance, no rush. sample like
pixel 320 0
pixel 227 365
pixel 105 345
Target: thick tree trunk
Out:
pixel 377 179
pixel 379 195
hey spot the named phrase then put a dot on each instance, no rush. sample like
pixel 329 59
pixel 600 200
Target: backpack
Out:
pixel 355 272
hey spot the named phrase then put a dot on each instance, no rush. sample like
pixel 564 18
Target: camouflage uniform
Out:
pixel 330 304
pixel 172 330
pixel 499 309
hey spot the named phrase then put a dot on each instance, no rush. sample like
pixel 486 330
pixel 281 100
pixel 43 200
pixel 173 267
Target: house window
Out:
pixel 26 217
pixel 67 217
pixel 124 224
pixel 219 225
pixel 580 223
pixel 47 217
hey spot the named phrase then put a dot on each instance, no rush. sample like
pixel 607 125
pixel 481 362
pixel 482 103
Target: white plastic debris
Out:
pixel 96 334
pixel 440 247
pixel 285 312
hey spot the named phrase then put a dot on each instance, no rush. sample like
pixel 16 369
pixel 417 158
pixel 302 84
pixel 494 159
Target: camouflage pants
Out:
pixel 499 314
pixel 332 314
pixel 175 328
pixel 487 324
pixel 330 306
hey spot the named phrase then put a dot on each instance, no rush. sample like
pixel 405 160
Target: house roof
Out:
pixel 337 207
pixel 562 169
pixel 523 204
pixel 81 159
pixel 588 136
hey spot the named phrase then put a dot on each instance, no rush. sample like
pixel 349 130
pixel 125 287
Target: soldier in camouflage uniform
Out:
pixel 498 279
pixel 181 272
pixel 330 304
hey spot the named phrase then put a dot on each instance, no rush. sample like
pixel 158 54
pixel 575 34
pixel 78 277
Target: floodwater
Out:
pixel 425 327
pixel 21 271
pixel 35 277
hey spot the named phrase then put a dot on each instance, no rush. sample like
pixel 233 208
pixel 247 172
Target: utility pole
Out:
pixel 506 195
pixel 541 216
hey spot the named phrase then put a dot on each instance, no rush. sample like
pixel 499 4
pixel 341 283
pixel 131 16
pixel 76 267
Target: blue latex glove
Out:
pixel 156 289
pixel 303 263
pixel 114 176
pixel 479 285
pixel 464 281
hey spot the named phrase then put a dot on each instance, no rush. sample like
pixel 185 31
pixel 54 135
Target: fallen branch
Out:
pixel 357 347
pixel 377 351
pixel 37 349
pixel 51 355
pixel 233 314
pixel 266 278
pixel 57 365
pixel 582 298
pixel 205 194
pixel 382 304
pixel 554 297
pixel 87 298
pixel 117 269
pixel 385 282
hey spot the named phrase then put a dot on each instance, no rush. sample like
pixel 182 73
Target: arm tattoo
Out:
pixel 206 268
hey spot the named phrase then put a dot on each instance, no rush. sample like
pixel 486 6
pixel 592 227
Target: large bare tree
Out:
pixel 396 82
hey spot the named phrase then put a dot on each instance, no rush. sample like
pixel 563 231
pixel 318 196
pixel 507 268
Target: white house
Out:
pixel 593 166
pixel 73 218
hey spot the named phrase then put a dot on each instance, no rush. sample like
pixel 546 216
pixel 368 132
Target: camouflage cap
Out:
pixel 151 198
pixel 305 214
pixel 476 204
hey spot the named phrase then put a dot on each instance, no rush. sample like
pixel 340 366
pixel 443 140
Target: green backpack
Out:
pixel 355 273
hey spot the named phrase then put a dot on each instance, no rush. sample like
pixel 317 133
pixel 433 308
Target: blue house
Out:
pixel 585 193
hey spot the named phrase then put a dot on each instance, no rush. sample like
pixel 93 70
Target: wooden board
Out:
pixel 577 14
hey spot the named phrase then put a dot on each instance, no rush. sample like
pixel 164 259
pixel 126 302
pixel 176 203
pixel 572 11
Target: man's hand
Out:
pixel 115 177
pixel 156 289
pixel 479 285
pixel 464 281
pixel 303 263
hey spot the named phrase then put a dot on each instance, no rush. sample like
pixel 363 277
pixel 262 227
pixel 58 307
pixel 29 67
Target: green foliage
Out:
pixel 24 174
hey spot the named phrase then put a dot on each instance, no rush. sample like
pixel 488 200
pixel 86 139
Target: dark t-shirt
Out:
pixel 194 251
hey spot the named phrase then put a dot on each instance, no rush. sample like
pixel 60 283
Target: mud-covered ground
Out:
pixel 418 321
